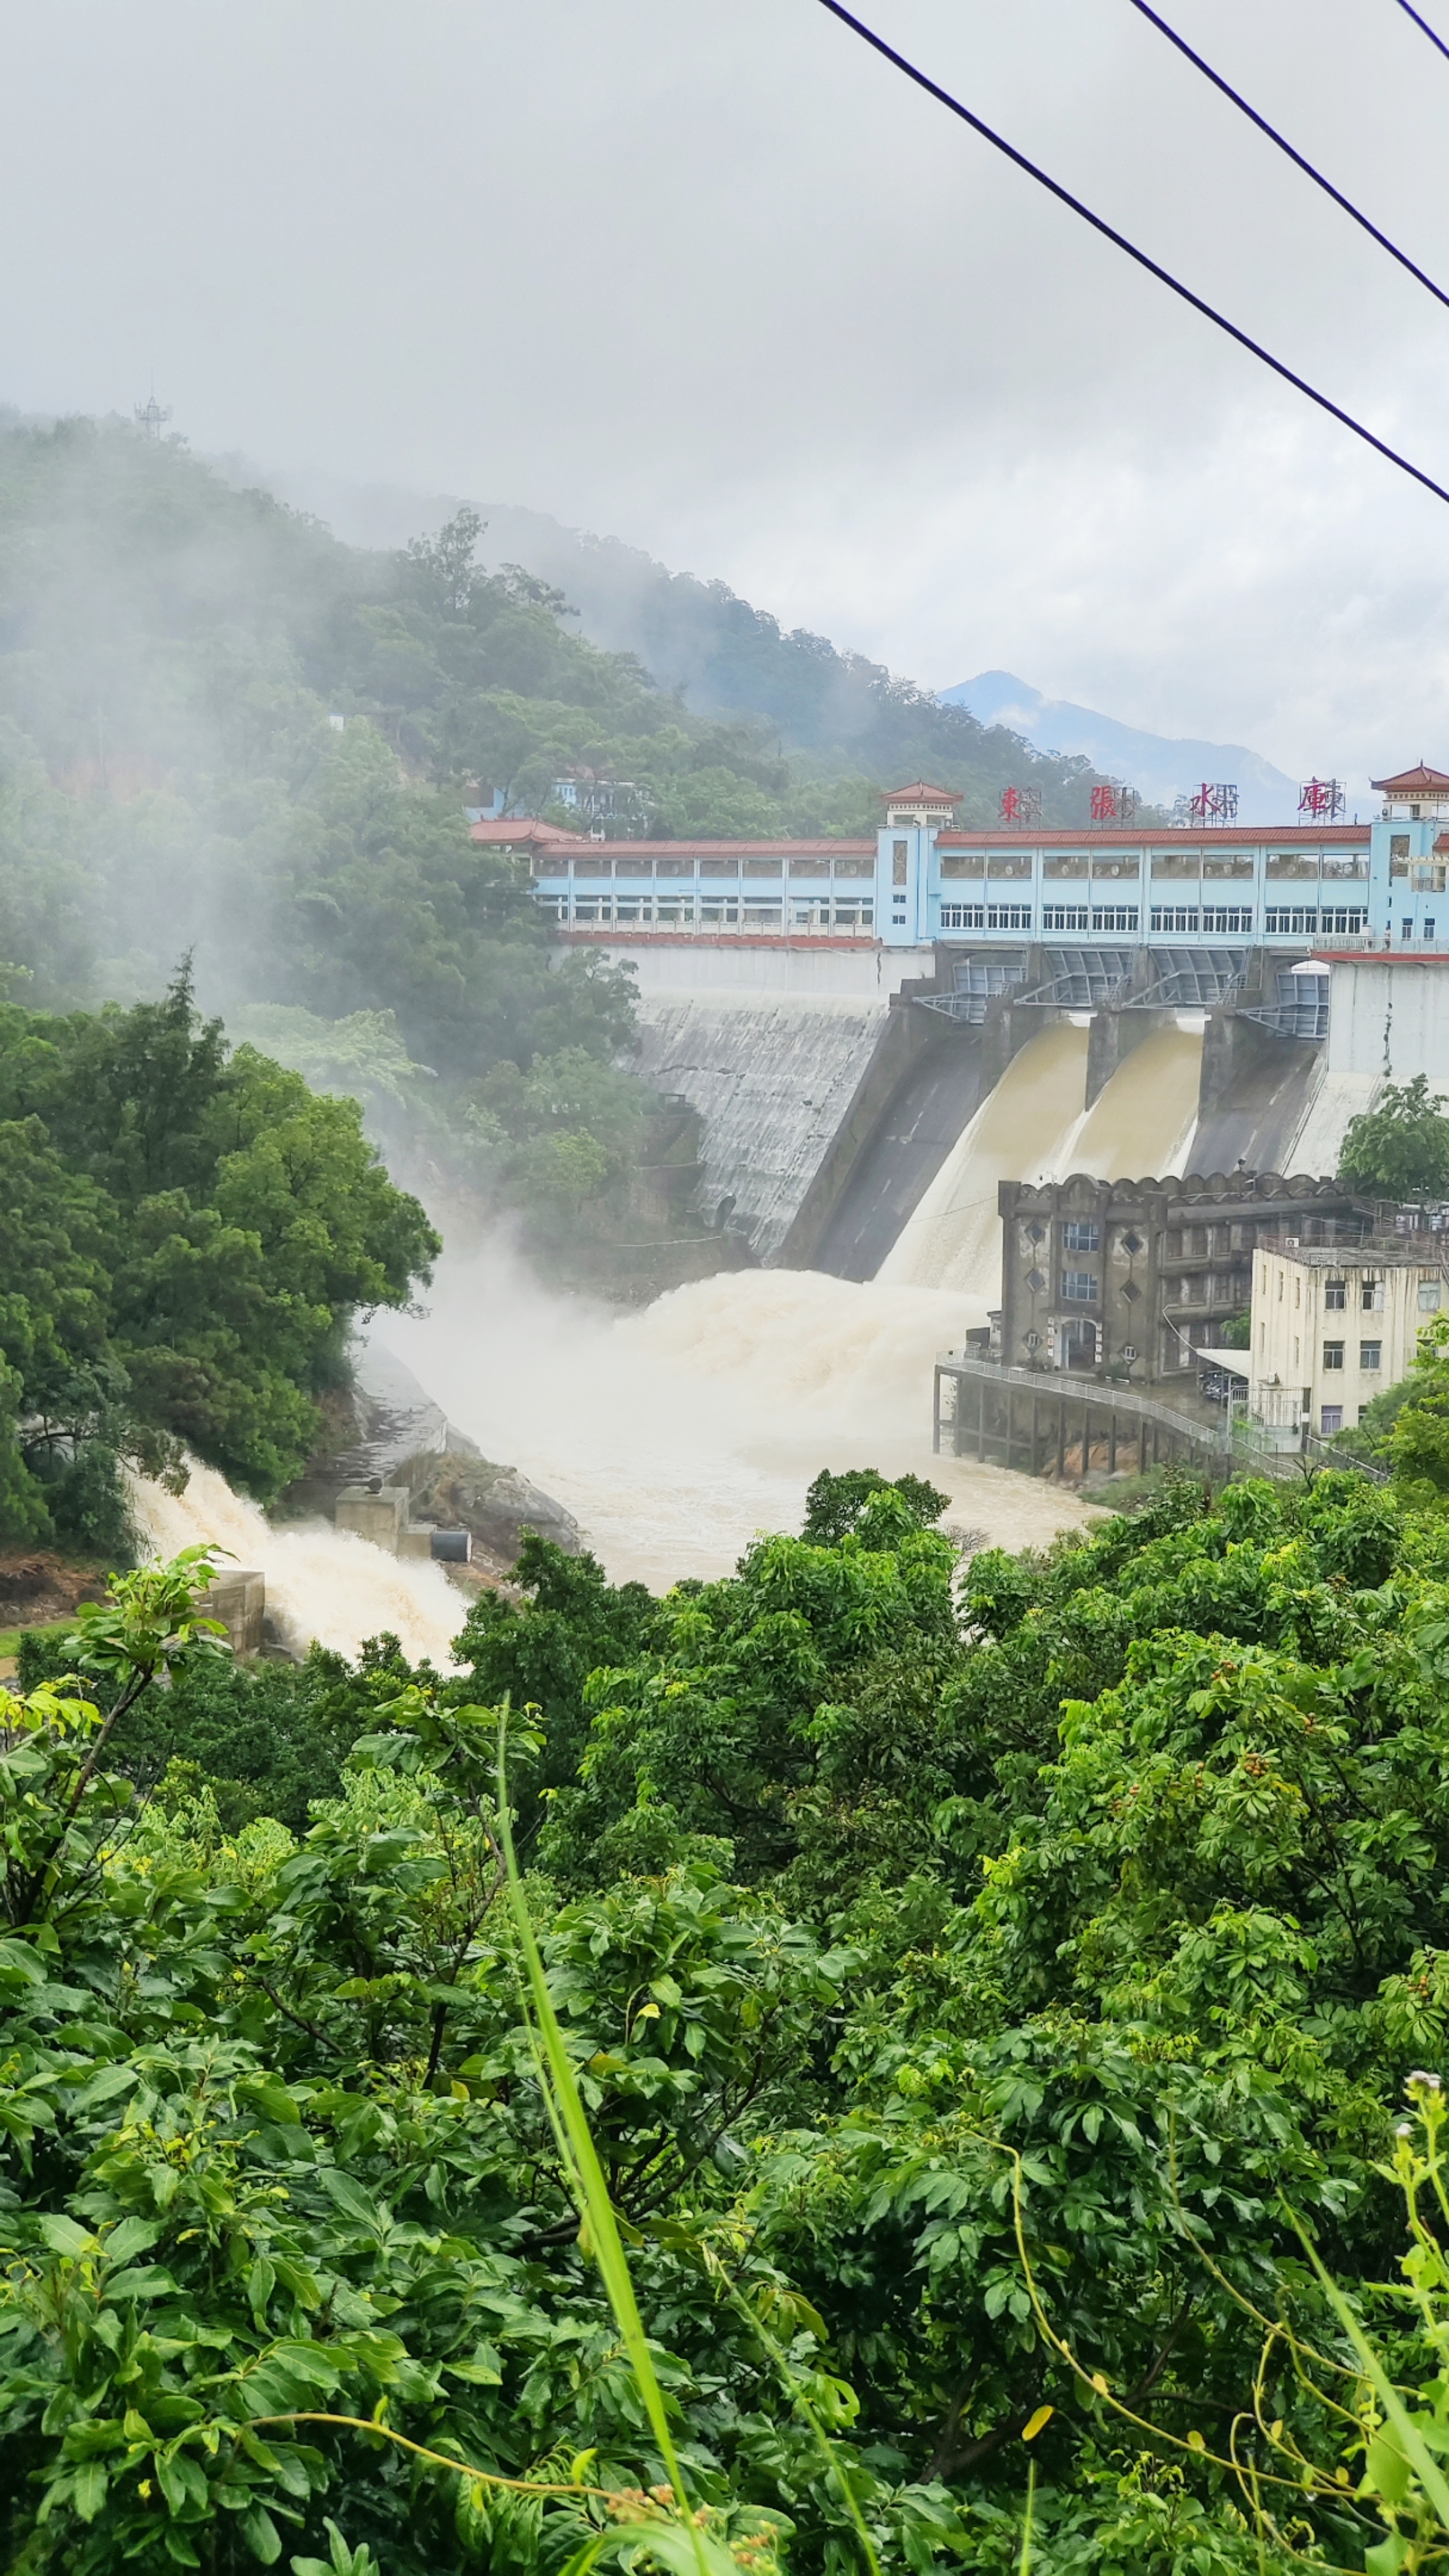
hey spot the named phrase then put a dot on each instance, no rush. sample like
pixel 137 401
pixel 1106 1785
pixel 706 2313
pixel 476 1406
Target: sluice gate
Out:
pixel 1036 1420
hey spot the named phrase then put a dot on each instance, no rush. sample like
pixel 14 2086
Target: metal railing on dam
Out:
pixel 1034 1418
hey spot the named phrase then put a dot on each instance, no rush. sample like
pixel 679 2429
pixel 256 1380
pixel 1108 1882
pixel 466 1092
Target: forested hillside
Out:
pixel 223 732
pixel 996 2027
pixel 837 709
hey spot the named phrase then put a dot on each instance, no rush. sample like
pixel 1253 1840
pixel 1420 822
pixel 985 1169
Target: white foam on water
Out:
pixel 677 1433
pixel 321 1582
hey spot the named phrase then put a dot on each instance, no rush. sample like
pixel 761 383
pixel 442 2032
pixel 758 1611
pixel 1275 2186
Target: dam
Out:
pixel 866 1134
pixel 888 1045
pixel 874 1034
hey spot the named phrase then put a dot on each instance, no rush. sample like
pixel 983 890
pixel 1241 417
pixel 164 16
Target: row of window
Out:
pixel 986 916
pixel 1370 1355
pixel 546 866
pixel 1187 868
pixel 716 912
pixel 1197 920
pixel 1213 917
pixel 1370 1295
pixel 1312 921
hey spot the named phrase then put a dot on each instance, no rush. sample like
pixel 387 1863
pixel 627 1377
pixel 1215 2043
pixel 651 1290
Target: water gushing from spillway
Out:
pixel 1033 1127
pixel 321 1582
pixel 954 1239
pixel 677 1433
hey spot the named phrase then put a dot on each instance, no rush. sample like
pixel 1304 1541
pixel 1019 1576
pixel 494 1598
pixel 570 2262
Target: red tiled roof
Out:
pixel 513 829
pixel 918 789
pixel 1409 779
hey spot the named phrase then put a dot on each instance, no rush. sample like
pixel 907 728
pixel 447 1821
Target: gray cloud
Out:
pixel 709 277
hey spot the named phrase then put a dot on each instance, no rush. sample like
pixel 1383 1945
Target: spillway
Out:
pixel 1033 1127
pixel 1141 1123
pixel 1018 1134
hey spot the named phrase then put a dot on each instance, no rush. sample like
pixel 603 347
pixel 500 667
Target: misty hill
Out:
pixel 842 717
pixel 1160 768
pixel 224 731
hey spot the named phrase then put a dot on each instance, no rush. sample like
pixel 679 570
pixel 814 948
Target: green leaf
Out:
pixel 344 2193
pixel 261 2536
pixel 1386 2471
pixel 62 2235
pixel 103 2086
pixel 142 2281
pixel 89 2489
pixel 19 1965
pixel 84 2441
pixel 133 2236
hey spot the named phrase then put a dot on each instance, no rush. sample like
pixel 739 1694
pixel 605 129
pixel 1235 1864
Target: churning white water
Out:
pixel 676 1433
pixel 321 1582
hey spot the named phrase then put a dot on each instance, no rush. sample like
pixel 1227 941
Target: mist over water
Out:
pixel 677 1433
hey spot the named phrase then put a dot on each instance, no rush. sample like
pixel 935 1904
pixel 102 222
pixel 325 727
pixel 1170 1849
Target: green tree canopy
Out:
pixel 191 1231
pixel 1400 1150
pixel 970 1989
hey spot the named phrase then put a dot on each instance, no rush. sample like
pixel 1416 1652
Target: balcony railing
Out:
pixel 642 918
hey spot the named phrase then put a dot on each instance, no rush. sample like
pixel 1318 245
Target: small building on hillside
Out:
pixel 1333 1325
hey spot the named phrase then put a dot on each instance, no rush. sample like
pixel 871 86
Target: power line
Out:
pixel 1294 155
pixel 1119 241
pixel 1423 24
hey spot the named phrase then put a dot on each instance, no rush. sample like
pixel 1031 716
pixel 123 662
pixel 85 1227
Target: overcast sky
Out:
pixel 705 274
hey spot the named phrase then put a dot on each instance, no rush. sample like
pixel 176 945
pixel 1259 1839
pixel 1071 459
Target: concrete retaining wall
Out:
pixel 1387 1017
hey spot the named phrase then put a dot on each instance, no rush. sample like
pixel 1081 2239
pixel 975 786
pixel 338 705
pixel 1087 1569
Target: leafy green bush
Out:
pixel 983 2005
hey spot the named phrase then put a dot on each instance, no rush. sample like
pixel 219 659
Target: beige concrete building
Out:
pixel 1333 1326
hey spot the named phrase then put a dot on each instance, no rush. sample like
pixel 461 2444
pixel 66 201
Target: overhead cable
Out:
pixel 1294 155
pixel 1119 241
pixel 1424 25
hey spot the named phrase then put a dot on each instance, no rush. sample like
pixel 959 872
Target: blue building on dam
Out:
pixel 927 884
pixel 1217 998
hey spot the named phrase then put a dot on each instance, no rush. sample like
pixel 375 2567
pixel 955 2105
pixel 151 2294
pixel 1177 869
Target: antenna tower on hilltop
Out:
pixel 151 419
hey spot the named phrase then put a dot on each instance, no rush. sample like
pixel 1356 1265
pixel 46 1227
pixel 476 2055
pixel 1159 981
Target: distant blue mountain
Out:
pixel 1161 770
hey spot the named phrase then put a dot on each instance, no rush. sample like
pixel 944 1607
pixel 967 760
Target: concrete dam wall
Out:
pixel 855 1132
pixel 788 1089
